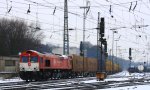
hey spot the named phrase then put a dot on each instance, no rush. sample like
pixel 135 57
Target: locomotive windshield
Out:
pixel 34 59
pixel 24 59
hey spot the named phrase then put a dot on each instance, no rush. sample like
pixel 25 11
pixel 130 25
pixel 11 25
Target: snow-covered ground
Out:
pixel 124 75
pixel 139 87
pixel 121 76
pixel 16 79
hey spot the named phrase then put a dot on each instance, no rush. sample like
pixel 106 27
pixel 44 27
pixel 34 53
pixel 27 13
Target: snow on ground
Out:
pixel 121 76
pixel 107 79
pixel 136 87
pixel 16 79
pixel 124 75
pixel 90 81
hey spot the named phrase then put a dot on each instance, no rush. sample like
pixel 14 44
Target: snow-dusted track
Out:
pixel 74 84
pixel 51 84
pixel 117 80
pixel 12 83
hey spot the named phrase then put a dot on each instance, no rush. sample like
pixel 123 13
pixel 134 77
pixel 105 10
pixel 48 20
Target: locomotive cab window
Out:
pixel 47 63
pixel 24 59
pixel 34 59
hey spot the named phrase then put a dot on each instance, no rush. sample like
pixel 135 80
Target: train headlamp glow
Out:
pixel 22 69
pixel 35 69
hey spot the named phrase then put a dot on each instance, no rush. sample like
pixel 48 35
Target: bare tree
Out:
pixel 16 36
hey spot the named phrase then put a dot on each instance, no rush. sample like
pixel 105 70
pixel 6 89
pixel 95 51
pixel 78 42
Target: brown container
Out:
pixel 116 67
pixel 86 64
pixel 91 65
pixel 108 66
pixel 77 63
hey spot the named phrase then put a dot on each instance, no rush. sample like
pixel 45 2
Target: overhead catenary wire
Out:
pixel 130 7
pixel 10 7
pixel 87 18
pixel 28 11
pixel 80 14
pixel 135 6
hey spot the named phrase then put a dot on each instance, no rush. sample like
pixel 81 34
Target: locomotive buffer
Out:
pixel 100 74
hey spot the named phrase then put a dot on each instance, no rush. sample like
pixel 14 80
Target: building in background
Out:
pixel 9 66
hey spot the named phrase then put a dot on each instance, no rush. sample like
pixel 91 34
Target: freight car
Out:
pixel 83 66
pixel 39 66
pixel 111 67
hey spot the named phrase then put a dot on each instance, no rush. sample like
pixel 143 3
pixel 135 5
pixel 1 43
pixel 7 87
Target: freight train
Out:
pixel 38 66
pixel 139 69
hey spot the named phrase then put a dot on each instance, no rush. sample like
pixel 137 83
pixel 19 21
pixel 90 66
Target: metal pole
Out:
pixel 116 49
pixel 83 38
pixel 130 56
pixel 98 27
pixel 66 35
pixel 101 69
pixel 112 53
pixel 84 17
pixel 147 60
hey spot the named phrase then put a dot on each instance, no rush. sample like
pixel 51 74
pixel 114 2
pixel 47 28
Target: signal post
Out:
pixel 101 74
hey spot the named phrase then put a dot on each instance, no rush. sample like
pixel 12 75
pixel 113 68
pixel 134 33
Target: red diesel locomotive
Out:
pixel 38 66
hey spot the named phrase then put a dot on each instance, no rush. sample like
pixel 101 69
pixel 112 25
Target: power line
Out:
pixel 62 26
pixel 49 14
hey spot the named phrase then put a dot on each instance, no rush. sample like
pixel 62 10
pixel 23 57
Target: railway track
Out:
pixel 42 84
pixel 12 83
pixel 67 84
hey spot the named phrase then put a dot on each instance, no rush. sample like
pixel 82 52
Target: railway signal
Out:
pixel 130 57
pixel 100 42
pixel 81 49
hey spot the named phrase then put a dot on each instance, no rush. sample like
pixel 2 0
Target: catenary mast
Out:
pixel 66 35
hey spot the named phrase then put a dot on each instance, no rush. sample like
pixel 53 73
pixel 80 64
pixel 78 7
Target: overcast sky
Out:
pixel 125 16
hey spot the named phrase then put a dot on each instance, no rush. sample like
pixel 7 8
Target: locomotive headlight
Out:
pixel 35 69
pixel 22 69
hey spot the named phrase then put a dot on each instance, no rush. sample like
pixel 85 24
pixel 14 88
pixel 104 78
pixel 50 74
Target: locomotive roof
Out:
pixel 34 51
pixel 46 54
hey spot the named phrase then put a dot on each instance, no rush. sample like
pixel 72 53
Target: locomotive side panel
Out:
pixel 55 62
